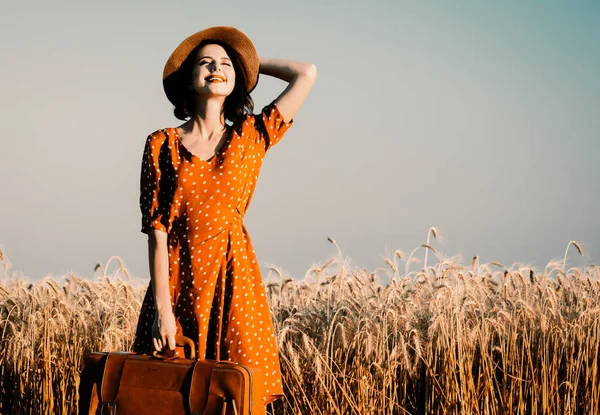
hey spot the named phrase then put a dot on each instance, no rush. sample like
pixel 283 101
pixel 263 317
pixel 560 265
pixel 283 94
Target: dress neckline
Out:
pixel 217 152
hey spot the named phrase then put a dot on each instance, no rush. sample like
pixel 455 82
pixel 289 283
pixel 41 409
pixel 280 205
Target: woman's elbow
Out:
pixel 310 70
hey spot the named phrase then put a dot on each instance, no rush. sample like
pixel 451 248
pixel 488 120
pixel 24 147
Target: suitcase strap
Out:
pixel 110 382
pixel 199 386
pixel 200 398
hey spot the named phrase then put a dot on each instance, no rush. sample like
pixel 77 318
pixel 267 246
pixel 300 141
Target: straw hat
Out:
pixel 229 35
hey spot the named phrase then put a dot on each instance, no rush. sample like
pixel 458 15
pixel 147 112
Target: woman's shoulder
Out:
pixel 252 120
pixel 160 136
pixel 243 122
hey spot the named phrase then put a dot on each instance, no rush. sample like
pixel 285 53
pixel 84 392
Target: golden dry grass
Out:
pixel 451 339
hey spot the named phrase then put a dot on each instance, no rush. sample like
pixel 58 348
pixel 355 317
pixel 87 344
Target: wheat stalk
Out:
pixel 576 245
pixel 431 231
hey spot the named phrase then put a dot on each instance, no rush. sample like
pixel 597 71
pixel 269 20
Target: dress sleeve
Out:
pixel 152 205
pixel 271 125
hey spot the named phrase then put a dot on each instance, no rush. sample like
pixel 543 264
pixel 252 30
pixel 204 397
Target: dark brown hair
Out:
pixel 237 104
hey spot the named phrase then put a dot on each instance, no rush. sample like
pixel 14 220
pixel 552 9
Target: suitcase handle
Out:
pixel 166 354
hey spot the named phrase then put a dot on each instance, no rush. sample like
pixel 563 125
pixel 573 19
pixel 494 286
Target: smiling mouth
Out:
pixel 215 79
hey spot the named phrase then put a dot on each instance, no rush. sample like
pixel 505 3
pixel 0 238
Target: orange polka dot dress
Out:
pixel 216 288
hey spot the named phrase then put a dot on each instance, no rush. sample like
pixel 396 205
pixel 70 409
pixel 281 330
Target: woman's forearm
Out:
pixel 158 256
pixel 285 69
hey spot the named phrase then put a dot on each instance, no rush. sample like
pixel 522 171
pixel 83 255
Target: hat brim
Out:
pixel 231 36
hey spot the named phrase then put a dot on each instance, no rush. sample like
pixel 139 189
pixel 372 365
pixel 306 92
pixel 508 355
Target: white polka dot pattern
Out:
pixel 215 283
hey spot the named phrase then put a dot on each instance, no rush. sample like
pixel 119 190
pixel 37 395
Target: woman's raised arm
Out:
pixel 301 77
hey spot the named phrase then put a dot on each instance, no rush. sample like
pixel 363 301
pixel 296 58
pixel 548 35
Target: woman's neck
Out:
pixel 208 122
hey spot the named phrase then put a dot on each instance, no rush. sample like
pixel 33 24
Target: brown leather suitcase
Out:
pixel 123 383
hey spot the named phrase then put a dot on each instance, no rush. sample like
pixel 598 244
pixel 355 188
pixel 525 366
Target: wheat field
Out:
pixel 445 338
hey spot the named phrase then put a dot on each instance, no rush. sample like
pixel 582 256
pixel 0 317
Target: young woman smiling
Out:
pixel 197 181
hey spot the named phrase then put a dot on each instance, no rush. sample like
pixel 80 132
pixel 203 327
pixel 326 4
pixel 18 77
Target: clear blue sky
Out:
pixel 479 118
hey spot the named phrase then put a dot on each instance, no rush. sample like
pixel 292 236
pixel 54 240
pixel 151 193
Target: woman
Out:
pixel 196 184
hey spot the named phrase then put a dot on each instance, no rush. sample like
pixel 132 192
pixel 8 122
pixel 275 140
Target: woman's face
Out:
pixel 213 73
